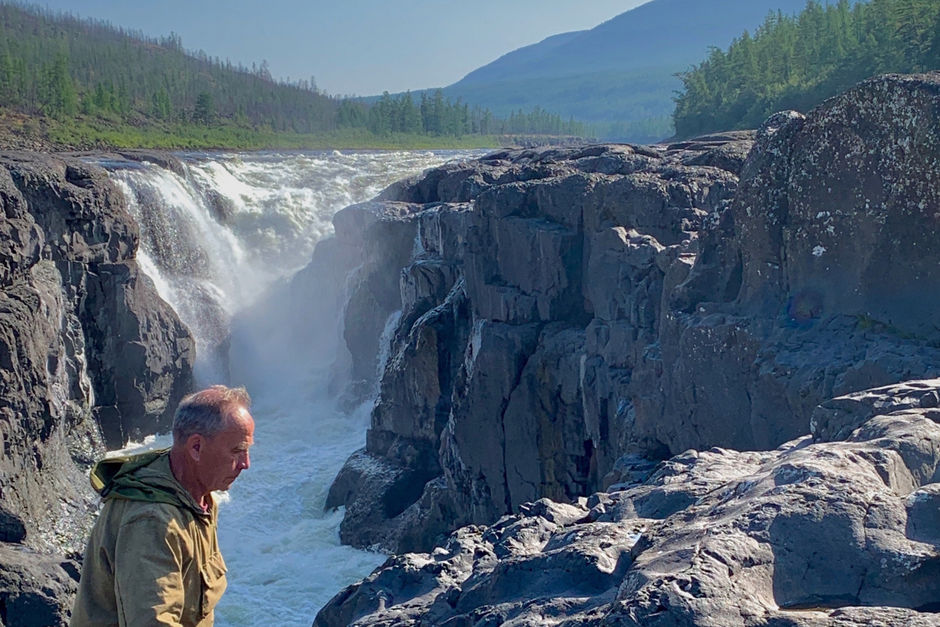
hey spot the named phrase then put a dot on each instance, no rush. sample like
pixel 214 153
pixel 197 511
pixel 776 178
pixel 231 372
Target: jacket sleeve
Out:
pixel 149 557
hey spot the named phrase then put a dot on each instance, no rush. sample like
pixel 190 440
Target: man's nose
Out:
pixel 245 462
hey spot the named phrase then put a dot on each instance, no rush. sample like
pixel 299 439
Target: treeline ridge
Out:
pixel 797 62
pixel 64 67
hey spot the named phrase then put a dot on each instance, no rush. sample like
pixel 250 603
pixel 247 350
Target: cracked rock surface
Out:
pixel 817 532
pixel 90 356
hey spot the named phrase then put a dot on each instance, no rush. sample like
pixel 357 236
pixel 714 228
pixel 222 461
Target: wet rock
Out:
pixel 165 160
pixel 384 235
pixel 138 351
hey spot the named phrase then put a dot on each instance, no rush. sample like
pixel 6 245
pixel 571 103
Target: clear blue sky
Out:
pixel 361 47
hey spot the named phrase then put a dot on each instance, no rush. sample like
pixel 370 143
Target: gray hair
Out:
pixel 204 412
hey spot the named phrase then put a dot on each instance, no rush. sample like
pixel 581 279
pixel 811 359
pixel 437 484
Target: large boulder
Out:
pixel 818 280
pixel 834 533
pixel 36 589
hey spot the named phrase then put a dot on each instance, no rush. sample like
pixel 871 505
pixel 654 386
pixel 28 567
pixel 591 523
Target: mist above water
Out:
pixel 217 235
pixel 214 238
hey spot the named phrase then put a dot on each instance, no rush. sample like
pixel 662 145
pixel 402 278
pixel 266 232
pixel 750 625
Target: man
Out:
pixel 153 555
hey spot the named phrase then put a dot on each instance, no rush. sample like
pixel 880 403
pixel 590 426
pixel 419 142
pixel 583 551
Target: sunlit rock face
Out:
pixel 89 356
pixel 820 279
pixel 818 532
pixel 532 281
pixel 568 313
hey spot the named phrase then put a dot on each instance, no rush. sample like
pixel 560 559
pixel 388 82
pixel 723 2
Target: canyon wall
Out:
pixel 570 316
pixel 90 356
pixel 759 313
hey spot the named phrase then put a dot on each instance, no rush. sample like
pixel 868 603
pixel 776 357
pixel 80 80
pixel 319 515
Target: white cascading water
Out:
pixel 214 237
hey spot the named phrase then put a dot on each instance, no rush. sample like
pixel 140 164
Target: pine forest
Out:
pixel 108 82
pixel 797 62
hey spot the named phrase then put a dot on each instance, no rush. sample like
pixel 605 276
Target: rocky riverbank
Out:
pixel 821 531
pixel 89 357
pixel 570 317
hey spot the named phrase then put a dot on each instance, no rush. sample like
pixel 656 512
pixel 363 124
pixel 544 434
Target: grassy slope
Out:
pixel 20 131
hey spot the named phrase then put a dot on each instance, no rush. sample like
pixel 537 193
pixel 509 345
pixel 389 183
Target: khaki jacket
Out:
pixel 153 556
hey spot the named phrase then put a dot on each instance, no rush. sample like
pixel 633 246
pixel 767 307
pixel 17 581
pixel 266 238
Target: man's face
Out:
pixel 225 455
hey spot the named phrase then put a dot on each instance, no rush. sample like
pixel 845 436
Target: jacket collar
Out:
pixel 144 477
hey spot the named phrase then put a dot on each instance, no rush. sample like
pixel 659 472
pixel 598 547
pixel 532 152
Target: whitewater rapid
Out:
pixel 214 237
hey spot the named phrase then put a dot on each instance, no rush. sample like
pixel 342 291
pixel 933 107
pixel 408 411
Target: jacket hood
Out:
pixel 141 477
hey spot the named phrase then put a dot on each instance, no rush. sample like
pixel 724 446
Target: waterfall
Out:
pixel 217 234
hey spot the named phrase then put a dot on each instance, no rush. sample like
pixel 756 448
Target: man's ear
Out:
pixel 194 445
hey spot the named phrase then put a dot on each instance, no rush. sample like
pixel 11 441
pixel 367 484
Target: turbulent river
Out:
pixel 215 236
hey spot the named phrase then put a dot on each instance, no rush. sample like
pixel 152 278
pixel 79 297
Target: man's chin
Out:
pixel 225 484
pixel 228 482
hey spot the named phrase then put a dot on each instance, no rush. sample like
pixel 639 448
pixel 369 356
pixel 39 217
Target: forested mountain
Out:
pixel 797 62
pixel 101 78
pixel 620 75
pixel 61 65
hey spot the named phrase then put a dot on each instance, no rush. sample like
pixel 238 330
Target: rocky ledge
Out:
pixel 819 532
pixel 90 356
pixel 571 317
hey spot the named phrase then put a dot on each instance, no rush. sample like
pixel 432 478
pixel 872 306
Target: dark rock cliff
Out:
pixel 520 269
pixel 89 357
pixel 567 313
pixel 571 316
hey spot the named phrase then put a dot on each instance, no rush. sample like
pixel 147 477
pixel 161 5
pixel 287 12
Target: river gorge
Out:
pixel 683 384
pixel 219 233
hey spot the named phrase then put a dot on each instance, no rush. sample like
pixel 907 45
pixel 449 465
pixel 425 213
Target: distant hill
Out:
pixel 69 82
pixel 620 75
